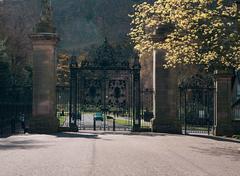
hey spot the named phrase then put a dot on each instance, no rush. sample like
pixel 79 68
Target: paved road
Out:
pixel 76 154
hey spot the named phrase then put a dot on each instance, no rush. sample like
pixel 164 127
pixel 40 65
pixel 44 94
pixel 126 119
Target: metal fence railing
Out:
pixel 15 109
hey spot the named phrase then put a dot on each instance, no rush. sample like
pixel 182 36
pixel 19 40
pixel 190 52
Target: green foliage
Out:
pixel 3 52
pixel 202 32
pixel 236 136
pixel 62 119
pixel 5 75
pixel 63 69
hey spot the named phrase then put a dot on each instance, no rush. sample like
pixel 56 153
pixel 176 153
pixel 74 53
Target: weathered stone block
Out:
pixel 165 97
pixel 222 104
pixel 44 118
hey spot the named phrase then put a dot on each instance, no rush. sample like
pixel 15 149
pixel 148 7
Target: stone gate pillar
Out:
pixel 44 40
pixel 222 104
pixel 165 97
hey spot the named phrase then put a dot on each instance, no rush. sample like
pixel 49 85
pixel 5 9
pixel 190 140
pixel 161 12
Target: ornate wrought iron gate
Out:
pixel 15 108
pixel 196 104
pixel 106 88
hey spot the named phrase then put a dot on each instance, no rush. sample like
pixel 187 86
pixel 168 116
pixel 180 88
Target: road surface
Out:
pixel 85 154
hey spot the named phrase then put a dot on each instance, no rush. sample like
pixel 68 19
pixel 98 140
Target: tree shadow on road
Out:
pixel 76 135
pixel 24 147
pixel 215 138
pixel 129 133
pixel 26 144
pixel 22 144
pixel 230 152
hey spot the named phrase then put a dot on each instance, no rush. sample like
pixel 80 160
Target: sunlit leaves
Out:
pixel 63 69
pixel 205 31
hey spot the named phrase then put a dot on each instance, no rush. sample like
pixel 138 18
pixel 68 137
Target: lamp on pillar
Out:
pixel 136 93
pixel 44 41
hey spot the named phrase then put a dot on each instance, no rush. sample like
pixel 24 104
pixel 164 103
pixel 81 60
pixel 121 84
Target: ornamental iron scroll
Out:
pixel 108 85
pixel 197 81
pixel 106 58
pixel 196 108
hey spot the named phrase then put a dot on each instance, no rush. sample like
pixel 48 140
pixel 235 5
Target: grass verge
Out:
pixel 123 122
pixel 236 136
pixel 62 120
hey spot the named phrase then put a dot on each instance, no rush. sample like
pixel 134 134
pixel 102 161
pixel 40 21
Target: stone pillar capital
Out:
pixel 46 38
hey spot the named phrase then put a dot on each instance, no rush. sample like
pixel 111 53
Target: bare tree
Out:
pixel 18 20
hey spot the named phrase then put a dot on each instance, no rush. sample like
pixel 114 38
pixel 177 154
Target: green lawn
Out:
pixel 123 122
pixel 236 136
pixel 62 120
pixel 194 128
pixel 129 122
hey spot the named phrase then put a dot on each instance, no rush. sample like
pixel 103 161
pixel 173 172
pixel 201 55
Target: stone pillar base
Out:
pixel 224 130
pixel 73 128
pixel 44 125
pixel 173 127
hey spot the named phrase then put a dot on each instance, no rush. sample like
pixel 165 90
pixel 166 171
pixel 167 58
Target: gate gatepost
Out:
pixel 44 40
pixel 165 96
pixel 222 103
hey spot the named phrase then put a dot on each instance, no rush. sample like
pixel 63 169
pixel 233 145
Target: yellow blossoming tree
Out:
pixel 189 31
pixel 63 69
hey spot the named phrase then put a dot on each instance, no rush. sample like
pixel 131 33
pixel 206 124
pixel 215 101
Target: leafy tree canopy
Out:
pixel 3 52
pixel 189 31
pixel 5 75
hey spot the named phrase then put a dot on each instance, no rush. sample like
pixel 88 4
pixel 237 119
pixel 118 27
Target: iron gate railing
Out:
pixel 15 107
pixel 146 109
pixel 196 108
pixel 116 97
pixel 63 93
pixel 105 87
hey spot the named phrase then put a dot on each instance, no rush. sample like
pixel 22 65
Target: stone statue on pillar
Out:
pixel 46 19
pixel 46 14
